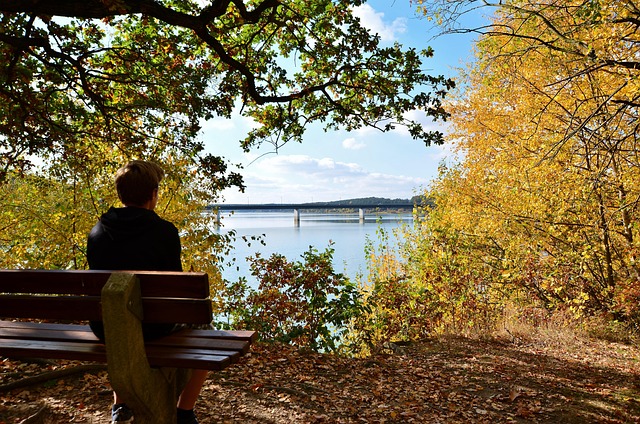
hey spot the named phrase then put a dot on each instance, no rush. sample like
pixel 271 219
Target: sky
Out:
pixel 340 165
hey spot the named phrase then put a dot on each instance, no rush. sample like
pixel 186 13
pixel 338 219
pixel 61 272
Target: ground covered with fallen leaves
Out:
pixel 444 380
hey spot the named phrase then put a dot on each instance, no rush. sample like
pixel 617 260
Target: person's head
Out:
pixel 137 183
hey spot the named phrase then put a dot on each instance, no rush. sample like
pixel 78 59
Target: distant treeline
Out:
pixel 375 202
pixel 415 200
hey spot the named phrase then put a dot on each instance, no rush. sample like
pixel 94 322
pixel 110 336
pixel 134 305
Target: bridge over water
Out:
pixel 297 207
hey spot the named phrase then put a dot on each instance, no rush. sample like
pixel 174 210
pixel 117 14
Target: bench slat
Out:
pixel 158 356
pixel 79 335
pixel 90 282
pixel 82 333
pixel 184 338
pixel 43 325
pixel 247 335
pixel 78 308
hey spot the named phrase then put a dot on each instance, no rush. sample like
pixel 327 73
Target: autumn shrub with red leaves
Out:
pixel 304 303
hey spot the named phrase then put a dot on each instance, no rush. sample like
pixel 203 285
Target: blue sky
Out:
pixel 345 165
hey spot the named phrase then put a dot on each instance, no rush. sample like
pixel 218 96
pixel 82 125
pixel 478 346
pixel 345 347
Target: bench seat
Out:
pixel 198 349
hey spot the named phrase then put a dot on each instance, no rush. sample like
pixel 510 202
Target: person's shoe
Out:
pixel 121 414
pixel 186 417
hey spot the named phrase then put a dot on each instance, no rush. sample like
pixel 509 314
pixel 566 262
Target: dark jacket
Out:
pixel 134 239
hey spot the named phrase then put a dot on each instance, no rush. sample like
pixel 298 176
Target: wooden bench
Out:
pixel 149 376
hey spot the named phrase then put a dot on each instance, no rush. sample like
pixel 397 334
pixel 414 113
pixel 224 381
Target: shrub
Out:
pixel 305 303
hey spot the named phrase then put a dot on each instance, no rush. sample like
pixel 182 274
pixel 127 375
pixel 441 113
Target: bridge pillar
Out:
pixel 361 215
pixel 296 217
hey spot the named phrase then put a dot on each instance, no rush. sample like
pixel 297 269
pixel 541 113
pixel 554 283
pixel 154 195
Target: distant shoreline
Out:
pixel 345 211
pixel 357 203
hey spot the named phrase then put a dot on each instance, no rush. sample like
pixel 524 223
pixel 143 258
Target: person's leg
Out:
pixel 191 391
pixel 189 396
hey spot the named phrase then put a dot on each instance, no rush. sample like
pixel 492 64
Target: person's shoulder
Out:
pixel 96 231
pixel 166 224
pixel 99 228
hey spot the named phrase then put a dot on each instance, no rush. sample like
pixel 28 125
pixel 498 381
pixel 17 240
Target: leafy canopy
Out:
pixel 124 72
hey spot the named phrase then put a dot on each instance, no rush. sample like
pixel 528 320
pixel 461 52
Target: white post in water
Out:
pixel 361 215
pixel 296 218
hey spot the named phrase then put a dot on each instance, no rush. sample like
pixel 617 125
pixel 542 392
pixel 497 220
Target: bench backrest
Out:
pixel 174 297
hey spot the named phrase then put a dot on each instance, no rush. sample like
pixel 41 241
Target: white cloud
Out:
pixel 220 124
pixel 302 178
pixel 367 131
pixel 298 167
pixel 421 117
pixel 236 122
pixel 353 144
pixel 374 22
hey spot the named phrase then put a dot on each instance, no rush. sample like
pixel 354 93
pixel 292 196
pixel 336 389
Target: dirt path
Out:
pixel 453 380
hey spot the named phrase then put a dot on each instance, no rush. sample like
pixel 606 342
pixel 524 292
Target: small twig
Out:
pixel 37 417
pixel 38 361
pixel 313 388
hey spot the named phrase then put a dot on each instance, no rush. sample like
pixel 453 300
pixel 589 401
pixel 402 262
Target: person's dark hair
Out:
pixel 136 181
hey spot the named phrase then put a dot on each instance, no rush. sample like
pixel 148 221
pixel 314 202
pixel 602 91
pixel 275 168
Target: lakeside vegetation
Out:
pixel 540 214
pixel 538 220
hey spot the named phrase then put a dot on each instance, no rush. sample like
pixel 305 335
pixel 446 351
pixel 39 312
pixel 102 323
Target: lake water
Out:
pixel 348 234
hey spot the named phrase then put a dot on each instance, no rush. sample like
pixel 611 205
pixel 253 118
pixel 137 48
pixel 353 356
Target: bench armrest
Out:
pixel 129 371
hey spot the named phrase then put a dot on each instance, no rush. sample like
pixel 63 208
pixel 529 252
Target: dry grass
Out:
pixel 559 329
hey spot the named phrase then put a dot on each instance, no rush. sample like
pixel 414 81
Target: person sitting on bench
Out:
pixel 136 238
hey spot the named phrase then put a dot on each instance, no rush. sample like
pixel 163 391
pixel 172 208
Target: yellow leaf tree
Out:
pixel 545 197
